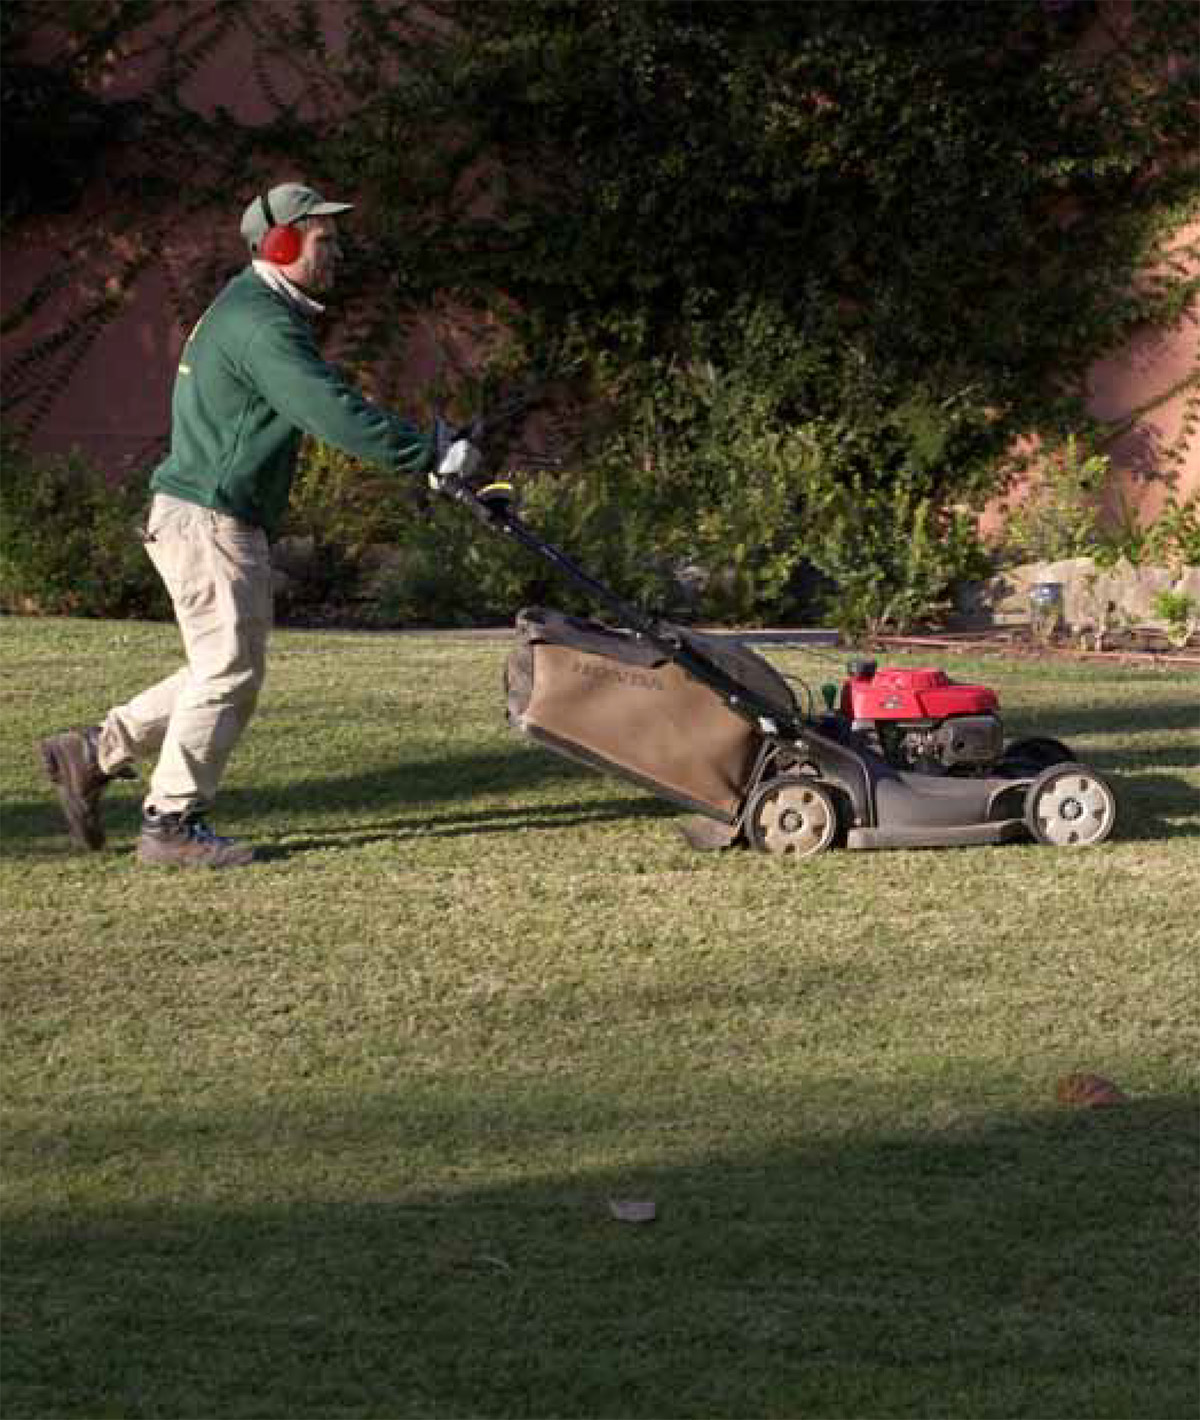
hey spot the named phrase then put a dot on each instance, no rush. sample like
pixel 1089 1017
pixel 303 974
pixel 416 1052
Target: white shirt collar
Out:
pixel 277 281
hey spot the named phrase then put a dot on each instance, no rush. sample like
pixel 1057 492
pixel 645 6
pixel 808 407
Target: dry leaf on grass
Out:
pixel 632 1210
pixel 1089 1092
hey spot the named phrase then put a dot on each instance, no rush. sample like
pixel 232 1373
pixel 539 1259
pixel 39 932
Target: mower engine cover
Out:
pixel 613 701
pixel 893 694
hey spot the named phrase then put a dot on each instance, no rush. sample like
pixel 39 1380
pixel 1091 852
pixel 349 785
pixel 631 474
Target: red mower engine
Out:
pixel 921 720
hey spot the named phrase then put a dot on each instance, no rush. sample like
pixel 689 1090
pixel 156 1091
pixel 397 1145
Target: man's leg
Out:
pixel 218 572
pixel 137 729
pixel 82 763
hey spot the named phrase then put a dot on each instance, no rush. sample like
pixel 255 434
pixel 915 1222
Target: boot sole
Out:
pixel 83 825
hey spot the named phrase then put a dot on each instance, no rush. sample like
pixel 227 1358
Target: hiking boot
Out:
pixel 186 841
pixel 72 761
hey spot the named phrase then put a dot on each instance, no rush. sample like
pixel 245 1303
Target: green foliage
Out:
pixel 891 554
pixel 1058 515
pixel 381 555
pixel 1181 612
pixel 707 506
pixel 1061 514
pixel 913 225
pixel 69 540
pixel 707 501
pixel 814 267
pixel 1123 536
pixel 345 508
pixel 1173 539
pixel 891 178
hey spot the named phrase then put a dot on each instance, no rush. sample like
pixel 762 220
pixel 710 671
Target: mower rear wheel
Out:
pixel 1070 806
pixel 792 814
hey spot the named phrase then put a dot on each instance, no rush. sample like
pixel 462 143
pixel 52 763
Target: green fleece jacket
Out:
pixel 250 384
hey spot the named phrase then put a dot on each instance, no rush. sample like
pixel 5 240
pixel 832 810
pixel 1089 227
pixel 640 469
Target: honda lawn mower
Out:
pixel 896 759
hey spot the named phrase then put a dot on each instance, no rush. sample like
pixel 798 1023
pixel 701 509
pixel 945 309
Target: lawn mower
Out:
pixel 895 758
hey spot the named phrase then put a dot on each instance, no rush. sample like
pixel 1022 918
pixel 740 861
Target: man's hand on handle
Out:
pixel 455 467
pixel 457 460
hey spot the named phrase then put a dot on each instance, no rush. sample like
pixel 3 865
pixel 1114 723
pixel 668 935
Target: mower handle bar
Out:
pixel 501 519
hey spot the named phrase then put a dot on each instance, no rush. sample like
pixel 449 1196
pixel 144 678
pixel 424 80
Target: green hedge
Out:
pixel 69 539
pixel 790 531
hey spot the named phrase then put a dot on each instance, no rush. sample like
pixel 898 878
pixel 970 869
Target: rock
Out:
pixel 1094 597
pixel 689 582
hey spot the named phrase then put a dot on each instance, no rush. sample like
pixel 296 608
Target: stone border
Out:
pixel 1098 603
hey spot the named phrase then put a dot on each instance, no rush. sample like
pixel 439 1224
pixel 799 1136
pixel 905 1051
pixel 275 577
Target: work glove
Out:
pixel 455 467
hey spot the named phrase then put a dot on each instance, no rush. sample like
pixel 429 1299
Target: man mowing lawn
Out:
pixel 250 384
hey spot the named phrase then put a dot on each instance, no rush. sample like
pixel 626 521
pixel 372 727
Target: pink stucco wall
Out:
pixel 1146 371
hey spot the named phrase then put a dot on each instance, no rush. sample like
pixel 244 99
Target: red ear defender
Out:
pixel 282 245
pixel 279 244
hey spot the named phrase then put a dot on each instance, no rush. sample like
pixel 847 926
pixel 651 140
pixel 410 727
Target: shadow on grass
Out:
pixel 1034 1267
pixel 550 817
pixel 1134 761
pixel 429 782
pixel 435 779
pixel 1141 718
pixel 1155 806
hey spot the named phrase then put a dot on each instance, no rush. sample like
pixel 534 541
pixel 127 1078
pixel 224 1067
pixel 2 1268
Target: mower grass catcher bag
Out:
pixel 607 698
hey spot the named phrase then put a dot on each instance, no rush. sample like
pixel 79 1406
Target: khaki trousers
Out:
pixel 218 572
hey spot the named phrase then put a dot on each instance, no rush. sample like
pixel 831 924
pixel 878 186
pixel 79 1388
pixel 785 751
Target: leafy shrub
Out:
pixel 712 500
pixel 385 551
pixel 1058 514
pixel 662 176
pixel 1061 514
pixel 720 475
pixel 349 504
pixel 1173 539
pixel 891 554
pixel 818 265
pixel 1181 612
pixel 69 539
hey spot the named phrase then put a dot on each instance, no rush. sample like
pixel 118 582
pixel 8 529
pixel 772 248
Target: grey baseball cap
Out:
pixel 287 203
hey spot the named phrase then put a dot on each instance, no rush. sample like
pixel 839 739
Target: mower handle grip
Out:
pixel 490 511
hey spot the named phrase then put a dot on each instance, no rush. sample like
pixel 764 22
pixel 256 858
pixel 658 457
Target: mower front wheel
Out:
pixel 1070 806
pixel 791 815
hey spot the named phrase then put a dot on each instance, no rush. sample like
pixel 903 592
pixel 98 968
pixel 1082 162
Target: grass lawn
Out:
pixel 336 1135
